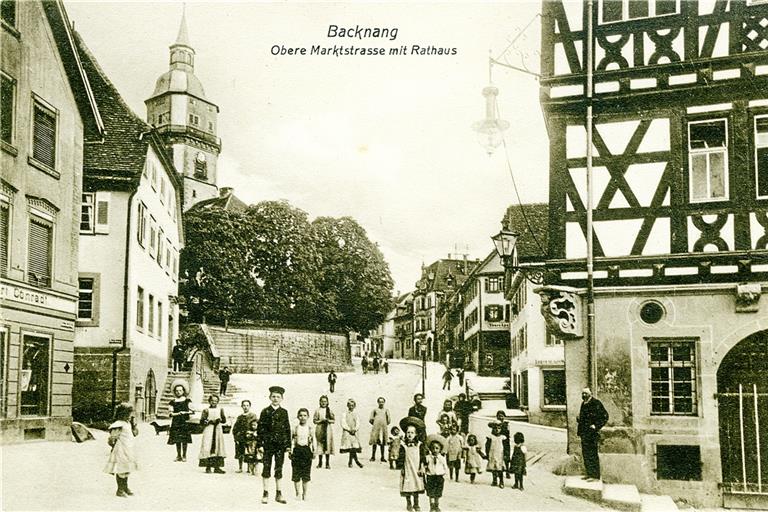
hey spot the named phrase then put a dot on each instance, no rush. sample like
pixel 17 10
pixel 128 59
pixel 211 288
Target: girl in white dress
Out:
pixel 494 447
pixel 411 462
pixel 122 458
pixel 350 439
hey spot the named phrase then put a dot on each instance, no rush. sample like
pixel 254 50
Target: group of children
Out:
pixel 423 460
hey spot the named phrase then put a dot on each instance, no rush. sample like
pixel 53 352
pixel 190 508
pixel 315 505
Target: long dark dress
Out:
pixel 179 431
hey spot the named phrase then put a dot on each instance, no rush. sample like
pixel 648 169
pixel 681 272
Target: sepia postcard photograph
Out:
pixel 385 256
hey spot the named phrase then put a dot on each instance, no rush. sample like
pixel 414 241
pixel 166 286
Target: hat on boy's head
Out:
pixel 437 438
pixel 276 389
pixel 394 430
pixel 412 420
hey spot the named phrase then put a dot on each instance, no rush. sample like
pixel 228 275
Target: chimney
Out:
pixel 225 191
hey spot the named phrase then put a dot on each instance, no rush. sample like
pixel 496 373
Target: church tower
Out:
pixel 186 121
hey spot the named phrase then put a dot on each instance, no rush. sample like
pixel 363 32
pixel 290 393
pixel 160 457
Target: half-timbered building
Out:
pixel 680 188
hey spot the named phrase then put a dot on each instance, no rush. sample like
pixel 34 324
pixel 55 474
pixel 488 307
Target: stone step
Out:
pixel 622 497
pixel 492 395
pixel 617 496
pixel 577 486
pixel 652 503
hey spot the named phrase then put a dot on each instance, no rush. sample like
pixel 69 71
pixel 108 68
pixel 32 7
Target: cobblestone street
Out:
pixel 68 476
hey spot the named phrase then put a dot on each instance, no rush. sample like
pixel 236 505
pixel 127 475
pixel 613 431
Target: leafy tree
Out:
pixel 213 265
pixel 283 263
pixel 355 283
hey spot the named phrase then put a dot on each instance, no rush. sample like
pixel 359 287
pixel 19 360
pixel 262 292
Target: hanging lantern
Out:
pixel 490 130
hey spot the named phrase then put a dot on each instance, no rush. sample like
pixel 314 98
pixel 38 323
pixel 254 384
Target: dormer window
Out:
pixel 622 10
pixel 708 160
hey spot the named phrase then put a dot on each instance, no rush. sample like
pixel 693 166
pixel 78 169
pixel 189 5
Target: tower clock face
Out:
pixel 200 157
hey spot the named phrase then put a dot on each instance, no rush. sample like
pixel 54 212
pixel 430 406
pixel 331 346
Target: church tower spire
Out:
pixel 186 120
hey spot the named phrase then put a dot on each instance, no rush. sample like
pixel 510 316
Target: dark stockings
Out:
pixel 518 481
pixel 181 450
pixel 353 458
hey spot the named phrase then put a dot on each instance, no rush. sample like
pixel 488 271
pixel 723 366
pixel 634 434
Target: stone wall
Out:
pixel 92 383
pixel 275 350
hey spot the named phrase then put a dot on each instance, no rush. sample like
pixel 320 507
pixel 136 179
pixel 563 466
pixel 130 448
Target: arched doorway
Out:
pixel 742 391
pixel 150 395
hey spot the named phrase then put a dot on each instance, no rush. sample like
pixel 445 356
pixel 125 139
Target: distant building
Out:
pixel 187 122
pixel 130 238
pixel 47 111
pixel 437 279
pixel 485 318
pixel 383 337
pixel 536 357
pixel 404 346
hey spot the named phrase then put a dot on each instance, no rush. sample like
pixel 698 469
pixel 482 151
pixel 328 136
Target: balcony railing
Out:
pixel 38 280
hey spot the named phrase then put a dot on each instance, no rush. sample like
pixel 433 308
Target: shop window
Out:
pixel 708 160
pixel 7 111
pixel 34 376
pixel 673 377
pixel 678 462
pixel 761 156
pixel 554 387
pixel 39 247
pixel 44 136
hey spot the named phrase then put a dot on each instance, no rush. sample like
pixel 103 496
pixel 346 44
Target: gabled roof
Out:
pixel 117 162
pixel 435 277
pixel 58 20
pixel 531 221
pixel 228 202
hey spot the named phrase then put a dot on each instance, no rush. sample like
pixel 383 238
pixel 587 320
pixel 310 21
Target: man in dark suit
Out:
pixel 418 410
pixel 273 436
pixel 592 417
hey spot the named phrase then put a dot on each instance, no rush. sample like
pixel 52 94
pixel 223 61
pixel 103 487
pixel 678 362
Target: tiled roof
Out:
pixel 122 154
pixel 531 221
pixel 439 271
pixel 231 203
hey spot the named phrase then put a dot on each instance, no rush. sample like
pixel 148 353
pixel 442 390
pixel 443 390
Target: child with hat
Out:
pixel 435 469
pixel 122 457
pixel 411 462
pixel 274 437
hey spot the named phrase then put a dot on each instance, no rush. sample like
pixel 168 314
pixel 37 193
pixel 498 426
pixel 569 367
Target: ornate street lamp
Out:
pixel 489 130
pixel 505 242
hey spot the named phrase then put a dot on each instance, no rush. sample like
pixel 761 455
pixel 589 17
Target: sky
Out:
pixel 387 140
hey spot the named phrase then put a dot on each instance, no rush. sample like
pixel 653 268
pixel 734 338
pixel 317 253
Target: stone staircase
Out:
pixel 496 401
pixel 211 385
pixel 163 411
pixel 617 496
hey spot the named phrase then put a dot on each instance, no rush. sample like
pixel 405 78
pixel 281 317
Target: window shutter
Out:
pixel 4 214
pixel 39 259
pixel 45 138
pixel 102 212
